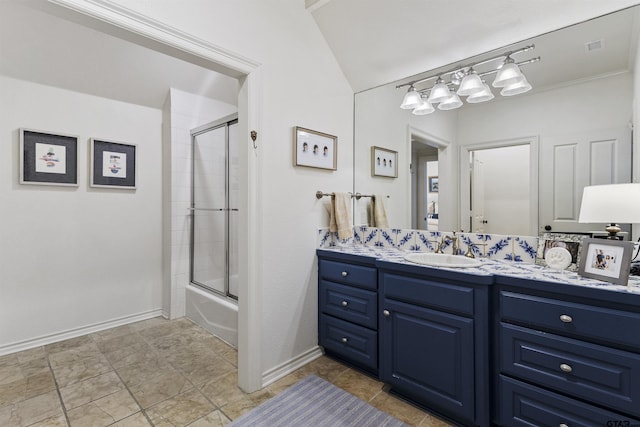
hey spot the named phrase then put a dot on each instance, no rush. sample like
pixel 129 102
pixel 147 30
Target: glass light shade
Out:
pixel 424 108
pixel 484 95
pixel 613 203
pixel 470 84
pixel 411 100
pixel 439 92
pixel 507 75
pixel 452 102
pixel 516 88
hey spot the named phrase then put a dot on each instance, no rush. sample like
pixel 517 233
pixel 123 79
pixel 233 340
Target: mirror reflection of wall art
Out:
pixel 113 164
pixel 570 242
pixel 314 149
pixel 384 162
pixel 606 260
pixel 48 159
pixel 433 184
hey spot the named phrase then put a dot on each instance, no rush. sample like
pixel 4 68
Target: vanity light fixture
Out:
pixel 467 81
pixel 611 204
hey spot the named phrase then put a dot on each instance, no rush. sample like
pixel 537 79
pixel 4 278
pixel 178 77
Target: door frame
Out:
pixel 119 21
pixel 465 171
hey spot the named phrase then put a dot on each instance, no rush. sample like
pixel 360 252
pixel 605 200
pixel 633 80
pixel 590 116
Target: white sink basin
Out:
pixel 442 260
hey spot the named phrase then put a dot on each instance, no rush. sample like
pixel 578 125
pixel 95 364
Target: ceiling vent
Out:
pixel 594 45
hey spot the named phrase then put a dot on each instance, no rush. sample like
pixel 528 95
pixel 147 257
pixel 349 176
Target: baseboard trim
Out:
pixel 291 365
pixel 76 332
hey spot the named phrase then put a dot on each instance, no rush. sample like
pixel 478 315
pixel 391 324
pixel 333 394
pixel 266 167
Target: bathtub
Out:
pixel 213 312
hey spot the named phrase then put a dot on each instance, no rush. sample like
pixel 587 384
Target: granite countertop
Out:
pixel 495 267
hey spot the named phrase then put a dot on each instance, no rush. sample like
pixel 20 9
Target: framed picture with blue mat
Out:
pixel 113 164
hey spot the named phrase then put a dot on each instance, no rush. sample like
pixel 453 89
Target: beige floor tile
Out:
pixel 358 384
pixel 13 392
pixel 118 342
pixel 135 420
pixel 149 323
pixel 91 389
pixel 9 360
pixel 433 421
pixel 165 329
pixel 398 408
pixel 204 368
pixel 287 381
pixel 236 408
pixel 39 384
pixel 104 411
pixel 142 371
pixel 161 386
pixel 223 390
pixel 81 370
pixel 34 353
pixel 10 373
pixel 55 421
pixel 139 353
pixel 213 419
pixel 36 365
pixel 325 368
pixel 230 355
pixel 74 355
pixel 108 334
pixel 68 344
pixel 182 409
pixel 31 411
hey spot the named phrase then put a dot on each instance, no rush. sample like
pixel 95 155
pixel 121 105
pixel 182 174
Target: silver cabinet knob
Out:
pixel 565 318
pixel 386 313
pixel 563 425
pixel 345 303
pixel 345 339
pixel 566 368
pixel 345 274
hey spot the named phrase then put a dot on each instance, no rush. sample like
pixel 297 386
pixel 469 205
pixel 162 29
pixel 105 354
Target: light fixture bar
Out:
pixel 464 67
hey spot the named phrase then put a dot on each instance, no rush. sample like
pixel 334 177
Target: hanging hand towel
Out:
pixel 379 212
pixel 340 215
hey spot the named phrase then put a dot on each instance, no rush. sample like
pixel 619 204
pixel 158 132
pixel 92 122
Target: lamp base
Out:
pixel 613 230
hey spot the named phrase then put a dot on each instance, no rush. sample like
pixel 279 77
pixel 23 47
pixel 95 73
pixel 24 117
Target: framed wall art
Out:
pixel 570 242
pixel 606 259
pixel 48 159
pixel 384 162
pixel 433 184
pixel 113 164
pixel 314 149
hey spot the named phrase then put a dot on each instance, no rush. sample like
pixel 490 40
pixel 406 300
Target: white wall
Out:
pixel 302 85
pixel 76 257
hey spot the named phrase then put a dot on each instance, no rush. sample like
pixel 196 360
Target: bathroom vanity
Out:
pixel 494 345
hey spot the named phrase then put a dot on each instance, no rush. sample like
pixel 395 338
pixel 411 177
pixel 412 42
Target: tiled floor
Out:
pixel 154 373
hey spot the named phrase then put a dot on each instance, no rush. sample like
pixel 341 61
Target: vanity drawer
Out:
pixel 428 293
pixel 602 375
pixel 353 342
pixel 584 321
pixel 526 405
pixel 350 274
pixel 349 303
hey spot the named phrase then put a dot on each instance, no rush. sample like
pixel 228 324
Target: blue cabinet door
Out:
pixel 428 356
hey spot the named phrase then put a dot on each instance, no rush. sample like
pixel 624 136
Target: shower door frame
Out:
pixel 223 122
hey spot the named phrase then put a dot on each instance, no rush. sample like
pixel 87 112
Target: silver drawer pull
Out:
pixel 345 274
pixel 345 339
pixel 563 425
pixel 345 303
pixel 566 318
pixel 566 368
pixel 386 313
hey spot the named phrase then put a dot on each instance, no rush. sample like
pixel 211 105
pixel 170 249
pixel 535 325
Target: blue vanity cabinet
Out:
pixel 348 308
pixel 434 345
pixel 567 355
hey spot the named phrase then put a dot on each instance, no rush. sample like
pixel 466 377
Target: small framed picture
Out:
pixel 113 164
pixel 606 260
pixel 433 184
pixel 314 149
pixel 570 242
pixel 384 162
pixel 48 159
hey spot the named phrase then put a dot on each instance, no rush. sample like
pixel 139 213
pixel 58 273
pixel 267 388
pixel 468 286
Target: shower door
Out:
pixel 214 197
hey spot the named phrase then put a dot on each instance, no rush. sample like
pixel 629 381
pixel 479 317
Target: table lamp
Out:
pixel 611 204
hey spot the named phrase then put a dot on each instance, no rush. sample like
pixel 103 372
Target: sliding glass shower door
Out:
pixel 214 261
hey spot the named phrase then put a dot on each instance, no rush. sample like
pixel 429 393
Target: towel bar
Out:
pixel 358 196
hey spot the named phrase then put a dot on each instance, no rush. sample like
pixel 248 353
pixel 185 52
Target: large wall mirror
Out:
pixel 513 164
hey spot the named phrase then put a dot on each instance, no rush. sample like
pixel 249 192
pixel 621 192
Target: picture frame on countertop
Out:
pixel 570 241
pixel 113 164
pixel 384 162
pixel 48 158
pixel 314 149
pixel 607 260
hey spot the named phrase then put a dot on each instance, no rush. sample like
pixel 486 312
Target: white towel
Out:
pixel 340 215
pixel 379 216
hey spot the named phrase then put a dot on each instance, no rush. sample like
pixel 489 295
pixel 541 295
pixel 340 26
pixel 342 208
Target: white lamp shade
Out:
pixel 439 92
pixel 470 84
pixel 516 88
pixel 484 95
pixel 411 100
pixel 424 108
pixel 507 75
pixel 452 102
pixel 613 203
